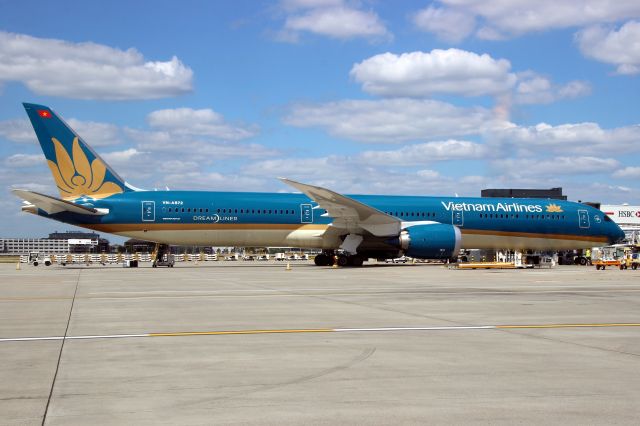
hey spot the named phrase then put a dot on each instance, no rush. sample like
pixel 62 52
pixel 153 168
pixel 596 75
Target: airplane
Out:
pixel 347 228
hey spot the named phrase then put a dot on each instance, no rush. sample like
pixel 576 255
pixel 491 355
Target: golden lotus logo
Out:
pixel 78 177
pixel 554 208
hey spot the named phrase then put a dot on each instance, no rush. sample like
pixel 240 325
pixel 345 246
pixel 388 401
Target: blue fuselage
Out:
pixel 283 219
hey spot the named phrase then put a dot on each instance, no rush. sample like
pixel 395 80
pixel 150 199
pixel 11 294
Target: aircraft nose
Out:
pixel 617 236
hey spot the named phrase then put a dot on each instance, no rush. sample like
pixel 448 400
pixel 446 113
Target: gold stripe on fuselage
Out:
pixel 124 227
pixel 291 227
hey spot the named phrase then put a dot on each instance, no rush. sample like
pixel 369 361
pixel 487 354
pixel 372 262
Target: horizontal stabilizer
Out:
pixel 53 205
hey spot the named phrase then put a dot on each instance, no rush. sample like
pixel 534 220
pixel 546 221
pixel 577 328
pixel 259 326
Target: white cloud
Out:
pixel 535 89
pixel 335 19
pixel 204 122
pixel 418 74
pixel 426 153
pixel 24 160
pixel 627 173
pixel 619 47
pixel 88 70
pixel 448 24
pixel 506 18
pixel 215 181
pixel 536 167
pixel 94 133
pixel 391 120
pixel 348 176
pixel 18 130
pixel 193 147
pixel 459 72
pixel 119 157
pixel 581 138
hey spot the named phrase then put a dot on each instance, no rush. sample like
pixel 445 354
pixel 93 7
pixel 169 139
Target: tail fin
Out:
pixel 76 168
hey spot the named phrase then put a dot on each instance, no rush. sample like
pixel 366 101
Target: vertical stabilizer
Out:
pixel 78 171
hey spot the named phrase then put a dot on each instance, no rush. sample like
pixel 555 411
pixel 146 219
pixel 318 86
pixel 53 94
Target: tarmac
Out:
pixel 253 343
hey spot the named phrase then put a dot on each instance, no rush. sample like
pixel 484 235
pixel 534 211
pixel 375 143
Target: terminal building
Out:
pixel 56 243
pixel 627 217
pixel 553 193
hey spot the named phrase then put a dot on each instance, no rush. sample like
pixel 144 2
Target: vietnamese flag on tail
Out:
pixel 44 113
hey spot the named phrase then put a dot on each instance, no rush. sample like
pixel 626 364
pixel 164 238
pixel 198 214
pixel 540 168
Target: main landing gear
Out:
pixel 329 258
pixel 163 256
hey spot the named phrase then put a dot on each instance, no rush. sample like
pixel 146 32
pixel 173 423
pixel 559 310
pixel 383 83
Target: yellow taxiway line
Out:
pixel 323 330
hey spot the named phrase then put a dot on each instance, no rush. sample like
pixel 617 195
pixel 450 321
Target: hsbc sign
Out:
pixel 622 214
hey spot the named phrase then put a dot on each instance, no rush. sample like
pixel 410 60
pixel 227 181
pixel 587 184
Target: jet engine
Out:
pixel 430 241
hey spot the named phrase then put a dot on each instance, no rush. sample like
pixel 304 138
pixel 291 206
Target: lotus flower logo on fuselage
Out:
pixel 77 177
pixel 554 208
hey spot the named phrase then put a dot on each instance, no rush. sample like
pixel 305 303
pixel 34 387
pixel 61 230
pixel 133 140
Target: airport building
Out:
pixel 627 217
pixel 56 243
pixel 553 193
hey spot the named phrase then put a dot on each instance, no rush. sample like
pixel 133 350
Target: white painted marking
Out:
pixel 105 336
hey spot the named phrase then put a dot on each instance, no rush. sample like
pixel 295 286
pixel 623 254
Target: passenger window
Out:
pixel 183 210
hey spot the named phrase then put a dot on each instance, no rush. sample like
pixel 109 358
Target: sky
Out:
pixel 439 97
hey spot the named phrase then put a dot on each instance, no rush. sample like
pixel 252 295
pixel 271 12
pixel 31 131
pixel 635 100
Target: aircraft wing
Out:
pixel 53 205
pixel 348 213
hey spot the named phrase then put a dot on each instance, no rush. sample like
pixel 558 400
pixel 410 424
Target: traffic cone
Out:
pixel 18 266
pixel 288 268
pixel 335 262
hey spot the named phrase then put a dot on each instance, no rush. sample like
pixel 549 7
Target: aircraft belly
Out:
pixel 240 238
pixel 474 241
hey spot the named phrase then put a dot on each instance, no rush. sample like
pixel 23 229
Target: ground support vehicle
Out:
pixel 603 263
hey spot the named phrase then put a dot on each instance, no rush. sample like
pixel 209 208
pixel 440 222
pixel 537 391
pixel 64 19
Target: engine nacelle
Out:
pixel 432 241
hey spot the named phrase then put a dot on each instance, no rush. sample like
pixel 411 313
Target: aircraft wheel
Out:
pixel 343 260
pixel 321 260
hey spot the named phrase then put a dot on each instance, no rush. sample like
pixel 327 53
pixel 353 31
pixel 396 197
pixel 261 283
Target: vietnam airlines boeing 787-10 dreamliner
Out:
pixel 354 227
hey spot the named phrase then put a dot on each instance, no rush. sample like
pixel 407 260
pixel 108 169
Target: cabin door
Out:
pixel 148 211
pixel 457 218
pixel 306 213
pixel 583 218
